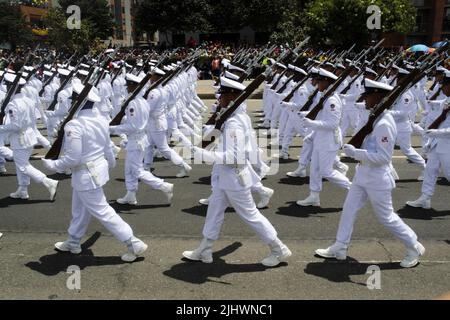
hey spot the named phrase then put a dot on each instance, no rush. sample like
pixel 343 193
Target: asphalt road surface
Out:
pixel 30 268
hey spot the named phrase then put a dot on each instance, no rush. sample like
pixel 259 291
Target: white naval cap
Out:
pixel 154 61
pixel 368 70
pixel 63 72
pixel 230 86
pixel 327 74
pixel 297 69
pixel 403 71
pixel 9 77
pixel 93 95
pixel 28 68
pixel 376 85
pixel 109 51
pixel 231 76
pixel 158 71
pixel 83 65
pixel 83 72
pixel 70 68
pixel 233 67
pixel 167 68
pixel 340 65
pixel 279 64
pixel 133 78
pixel 441 69
pixel 48 73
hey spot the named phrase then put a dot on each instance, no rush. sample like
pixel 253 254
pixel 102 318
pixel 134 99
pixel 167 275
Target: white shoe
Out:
pixel 299 173
pixel 116 150
pixel 136 248
pixel 423 202
pixel 312 201
pixel 52 187
pixel 184 172
pixel 203 253
pixel 336 251
pixel 284 155
pixel 342 168
pixel 21 193
pixel 2 170
pixel 68 247
pixel 421 177
pixel 129 199
pixel 265 198
pixel 204 202
pixel 147 167
pixel 278 253
pixel 413 256
pixel 167 188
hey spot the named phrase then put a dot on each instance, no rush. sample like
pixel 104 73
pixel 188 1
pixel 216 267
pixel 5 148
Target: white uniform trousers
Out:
pixel 381 201
pixel 92 203
pixel 284 117
pixel 158 139
pixel 267 105
pixel 244 205
pixel 276 112
pixel 306 153
pixel 436 161
pixel 350 119
pixel 322 167
pixel 25 171
pixel 134 171
pixel 293 127
pixel 404 142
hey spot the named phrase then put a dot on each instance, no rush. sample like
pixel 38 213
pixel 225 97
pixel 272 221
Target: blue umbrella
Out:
pixel 439 44
pixel 419 48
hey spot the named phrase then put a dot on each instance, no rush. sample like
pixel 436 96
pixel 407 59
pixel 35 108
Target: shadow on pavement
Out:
pixel 421 214
pixel 204 180
pixel 199 273
pixel 201 210
pixel 294 181
pixel 340 271
pixel 129 209
pixel 6 202
pixel 293 210
pixel 53 264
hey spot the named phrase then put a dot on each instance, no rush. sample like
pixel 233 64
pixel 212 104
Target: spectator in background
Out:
pixel 215 66
pixel 191 43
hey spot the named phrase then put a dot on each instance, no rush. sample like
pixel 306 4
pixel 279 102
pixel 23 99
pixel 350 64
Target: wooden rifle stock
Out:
pixel 118 118
pixel 437 123
pixel 312 115
pixel 55 150
pixel 233 106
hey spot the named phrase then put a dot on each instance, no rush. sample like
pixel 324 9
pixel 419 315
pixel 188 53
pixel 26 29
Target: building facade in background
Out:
pixel 432 22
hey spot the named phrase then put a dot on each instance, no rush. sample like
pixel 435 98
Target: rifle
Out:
pixel 312 115
pixel 225 114
pixel 390 99
pixel 118 119
pixel 14 86
pixel 55 150
pixel 62 86
pixel 437 123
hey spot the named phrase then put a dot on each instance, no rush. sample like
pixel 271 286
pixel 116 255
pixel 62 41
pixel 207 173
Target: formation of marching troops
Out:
pixel 150 100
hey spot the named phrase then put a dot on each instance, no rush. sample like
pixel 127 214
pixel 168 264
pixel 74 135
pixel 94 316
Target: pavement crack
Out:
pixel 390 256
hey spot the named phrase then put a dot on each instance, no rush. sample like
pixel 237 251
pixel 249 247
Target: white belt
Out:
pixel 91 168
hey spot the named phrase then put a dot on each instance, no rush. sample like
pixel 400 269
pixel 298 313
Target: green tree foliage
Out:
pixel 97 13
pixel 172 15
pixel 59 36
pixel 13 27
pixel 343 22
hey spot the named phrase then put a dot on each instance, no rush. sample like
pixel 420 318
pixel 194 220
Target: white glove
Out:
pixel 432 133
pixel 349 150
pixel 309 123
pixel 49 164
